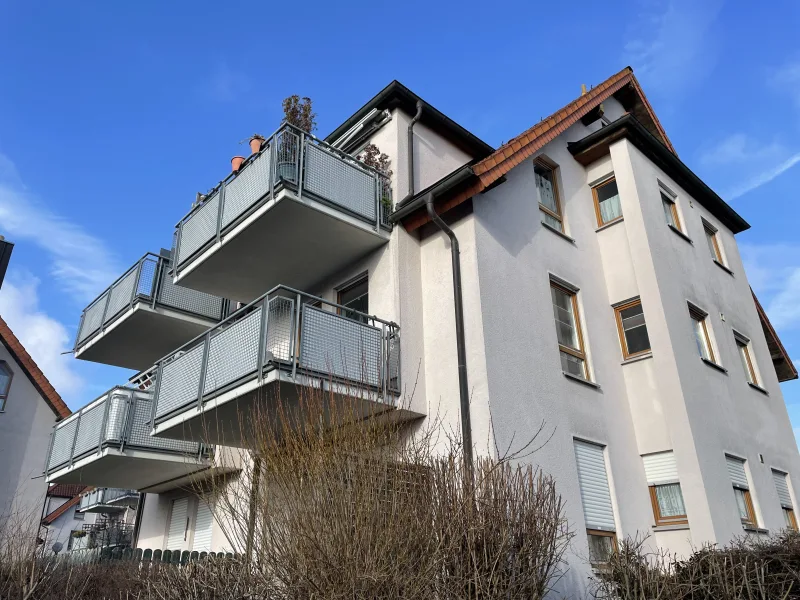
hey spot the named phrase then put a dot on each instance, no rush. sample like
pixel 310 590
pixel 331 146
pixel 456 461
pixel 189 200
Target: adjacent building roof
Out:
pixel 32 370
pixel 49 519
pixel 65 490
pixel 784 367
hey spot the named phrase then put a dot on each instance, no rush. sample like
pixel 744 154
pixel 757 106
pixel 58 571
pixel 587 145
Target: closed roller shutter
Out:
pixel 783 489
pixel 202 527
pixel 737 472
pixel 593 479
pixel 660 467
pixel 176 535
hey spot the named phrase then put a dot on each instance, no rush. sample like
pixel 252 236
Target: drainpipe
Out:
pixel 461 346
pixel 137 527
pixel 411 149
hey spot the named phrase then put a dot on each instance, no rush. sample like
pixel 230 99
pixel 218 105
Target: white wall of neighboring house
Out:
pixel 61 529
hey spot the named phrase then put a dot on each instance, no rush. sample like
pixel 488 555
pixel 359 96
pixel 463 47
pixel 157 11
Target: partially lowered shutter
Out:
pixel 176 535
pixel 203 526
pixel 593 479
pixel 783 488
pixel 737 473
pixel 660 467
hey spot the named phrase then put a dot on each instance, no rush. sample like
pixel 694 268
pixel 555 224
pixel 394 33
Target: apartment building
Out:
pixel 603 295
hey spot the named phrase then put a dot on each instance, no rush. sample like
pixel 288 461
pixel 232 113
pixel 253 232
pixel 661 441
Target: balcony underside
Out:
pixel 104 508
pixel 141 336
pixel 286 240
pixel 227 419
pixel 135 469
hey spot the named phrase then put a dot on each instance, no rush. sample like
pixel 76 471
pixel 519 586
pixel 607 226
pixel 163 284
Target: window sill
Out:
pixel 581 380
pixel 711 363
pixel 678 232
pixel 611 224
pixel 557 232
pixel 751 529
pixel 723 267
pixel 755 386
pixel 634 359
pixel 676 527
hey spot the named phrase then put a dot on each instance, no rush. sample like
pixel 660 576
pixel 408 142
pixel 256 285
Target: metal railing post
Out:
pixel 296 337
pixel 161 267
pixel 384 360
pixel 300 166
pixel 262 340
pixel 49 454
pixel 178 247
pixel 154 404
pixel 378 203
pixel 130 415
pixel 220 207
pixel 103 425
pixel 273 159
pixel 105 309
pixel 80 329
pixel 203 367
pixel 136 281
pixel 75 437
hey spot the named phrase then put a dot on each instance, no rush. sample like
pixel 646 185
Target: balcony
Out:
pixel 108 500
pixel 108 443
pixel 296 212
pixel 270 349
pixel 142 316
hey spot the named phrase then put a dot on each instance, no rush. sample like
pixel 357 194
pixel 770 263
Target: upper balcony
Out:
pixel 108 443
pixel 142 316
pixel 108 500
pixel 266 352
pixel 296 212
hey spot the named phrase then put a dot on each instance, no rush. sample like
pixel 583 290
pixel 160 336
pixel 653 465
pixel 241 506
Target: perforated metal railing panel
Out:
pixel 335 345
pixel 393 361
pixel 139 431
pixel 93 318
pixel 280 324
pixel 187 299
pixel 121 295
pixel 199 229
pixel 247 188
pixel 90 429
pixel 233 352
pixel 148 268
pixel 61 450
pixel 180 380
pixel 332 178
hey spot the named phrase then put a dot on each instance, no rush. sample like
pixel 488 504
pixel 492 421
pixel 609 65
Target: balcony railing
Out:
pixel 286 330
pixel 118 419
pixel 104 535
pixel 111 497
pixel 146 282
pixel 293 159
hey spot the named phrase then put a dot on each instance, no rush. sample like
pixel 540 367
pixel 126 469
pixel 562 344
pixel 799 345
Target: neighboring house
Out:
pixel 603 294
pixel 62 517
pixel 29 408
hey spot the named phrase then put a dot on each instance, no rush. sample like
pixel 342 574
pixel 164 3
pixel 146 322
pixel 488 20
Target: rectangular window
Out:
pixel 568 331
pixel 665 490
pixel 606 202
pixel 741 491
pixel 743 346
pixel 5 383
pixel 632 329
pixel 354 297
pixel 701 334
pixel 670 210
pixel 596 500
pixel 782 487
pixel 712 238
pixel 547 191
pixel 79 516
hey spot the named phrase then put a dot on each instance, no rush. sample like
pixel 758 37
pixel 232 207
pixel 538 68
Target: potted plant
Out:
pixel 373 157
pixel 236 163
pixel 256 141
pixel 300 113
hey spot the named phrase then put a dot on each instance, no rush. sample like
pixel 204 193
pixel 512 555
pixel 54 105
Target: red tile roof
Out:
pixel 32 370
pixel 48 520
pixel 66 490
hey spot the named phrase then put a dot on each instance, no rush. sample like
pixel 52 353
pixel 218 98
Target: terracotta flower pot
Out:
pixel 236 163
pixel 255 143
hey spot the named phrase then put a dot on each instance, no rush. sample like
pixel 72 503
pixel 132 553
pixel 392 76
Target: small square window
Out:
pixel 712 238
pixel 632 329
pixel 547 192
pixel 701 334
pixel 6 375
pixel 606 202
pixel 602 544
pixel 670 211
pixel 789 518
pixel 668 506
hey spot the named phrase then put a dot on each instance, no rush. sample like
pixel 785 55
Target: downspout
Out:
pixel 461 346
pixel 137 527
pixel 411 149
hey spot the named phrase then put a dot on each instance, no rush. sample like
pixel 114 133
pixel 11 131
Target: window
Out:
pixel 782 486
pixel 741 491
pixel 665 490
pixel 632 329
pixel 568 331
pixel 596 500
pixel 712 238
pixel 355 296
pixel 606 202
pixel 670 210
pixel 78 515
pixel 547 191
pixel 6 374
pixel 701 335
pixel 743 346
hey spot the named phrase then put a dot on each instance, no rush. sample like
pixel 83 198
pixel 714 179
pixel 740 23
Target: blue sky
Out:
pixel 112 116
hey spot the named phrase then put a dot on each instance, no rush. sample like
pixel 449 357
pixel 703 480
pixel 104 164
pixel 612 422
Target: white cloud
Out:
pixel 739 148
pixel 786 78
pixel 773 271
pixel 80 263
pixel 43 337
pixel 763 177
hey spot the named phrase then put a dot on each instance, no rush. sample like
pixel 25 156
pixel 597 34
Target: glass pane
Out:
pixel 700 339
pixel 552 221
pixel 667 203
pixel 5 379
pixel 670 500
pixel 741 503
pixel 788 517
pixel 711 245
pixel 744 355
pixel 608 200
pixel 633 324
pixel 546 187
pixel 572 365
pixel 565 318
pixel 600 548
pixel 356 297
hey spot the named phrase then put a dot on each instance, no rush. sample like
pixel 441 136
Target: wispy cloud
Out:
pixel 740 148
pixel 786 79
pixel 763 177
pixel 81 264
pixel 773 271
pixel 226 84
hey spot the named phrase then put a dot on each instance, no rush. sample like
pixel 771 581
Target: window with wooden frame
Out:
pixel 741 491
pixel 606 202
pixel 568 330
pixel 602 544
pixel 670 209
pixel 632 329
pixel 743 347
pixel 6 374
pixel 666 495
pixel 782 487
pixel 702 336
pixel 712 238
pixel 548 194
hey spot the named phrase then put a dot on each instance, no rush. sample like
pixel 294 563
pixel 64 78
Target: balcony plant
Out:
pixel 256 141
pixel 298 112
pixel 373 157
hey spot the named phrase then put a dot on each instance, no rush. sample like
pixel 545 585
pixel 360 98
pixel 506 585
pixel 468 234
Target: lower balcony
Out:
pixel 142 316
pixel 108 500
pixel 272 351
pixel 108 443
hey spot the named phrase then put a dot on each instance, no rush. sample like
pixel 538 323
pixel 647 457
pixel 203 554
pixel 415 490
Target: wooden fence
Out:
pixel 144 556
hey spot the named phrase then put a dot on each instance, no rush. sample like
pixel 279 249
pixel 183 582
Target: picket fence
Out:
pixel 140 555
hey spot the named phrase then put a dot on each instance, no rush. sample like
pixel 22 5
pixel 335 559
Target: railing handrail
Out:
pixel 90 404
pixel 135 265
